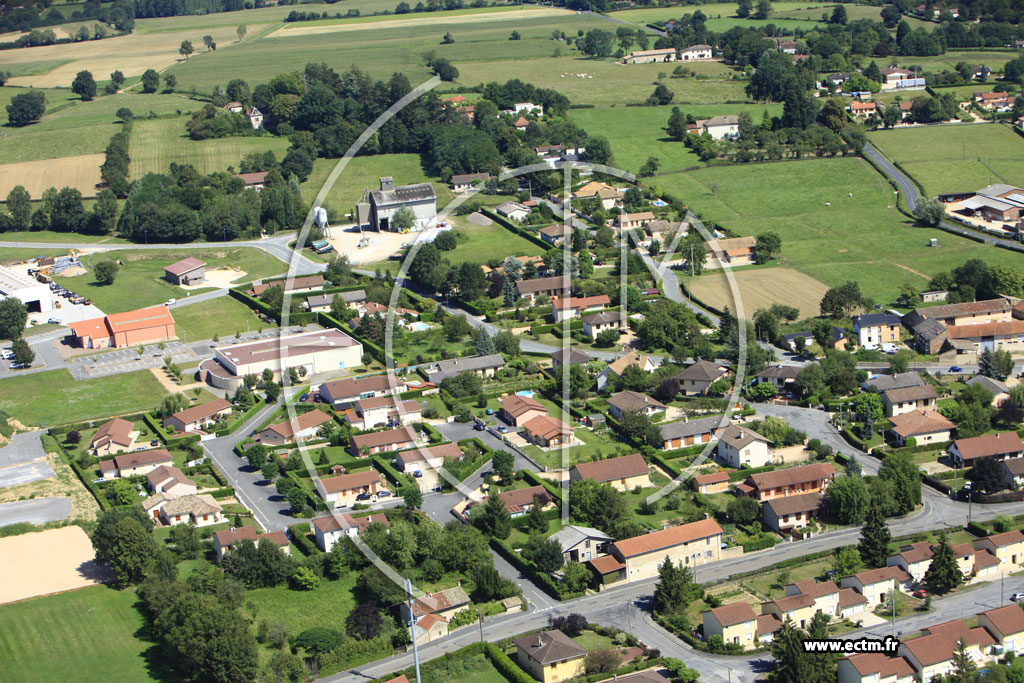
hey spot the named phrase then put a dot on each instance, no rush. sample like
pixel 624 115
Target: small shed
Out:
pixel 189 271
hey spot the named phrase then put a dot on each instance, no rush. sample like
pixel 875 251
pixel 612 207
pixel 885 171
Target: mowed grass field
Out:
pixel 862 237
pixel 54 397
pixel 132 54
pixel 607 83
pixel 758 288
pixel 481 243
pixel 140 280
pixel 363 173
pixel 636 133
pixel 80 172
pixel 390 45
pixel 955 158
pixel 723 9
pixel 84 635
pixel 222 316
pixel 157 143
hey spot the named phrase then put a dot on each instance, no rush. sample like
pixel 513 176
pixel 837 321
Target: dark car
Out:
pixel 154 442
pixel 304 398
pixel 363 496
pixel 956 368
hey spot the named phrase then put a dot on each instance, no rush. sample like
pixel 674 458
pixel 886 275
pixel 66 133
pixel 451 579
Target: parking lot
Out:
pixel 120 361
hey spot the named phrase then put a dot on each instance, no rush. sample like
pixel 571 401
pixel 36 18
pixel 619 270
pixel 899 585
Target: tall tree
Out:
pixel 208 640
pixel 901 470
pixel 675 589
pixel 186 49
pixel 13 317
pixel 943 573
pixel 791 662
pixel 84 85
pixel 874 538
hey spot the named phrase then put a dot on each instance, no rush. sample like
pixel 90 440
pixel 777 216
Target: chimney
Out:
pixel 387 183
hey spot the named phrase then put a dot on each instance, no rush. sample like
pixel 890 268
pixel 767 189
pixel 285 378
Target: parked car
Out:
pixel 1017 597
pixel 17 366
pixel 54 321
pixel 479 426
pixel 6 354
pixel 303 398
pixel 363 496
pixel 384 494
pixel 154 442
pixel 889 348
pixel 503 429
pixel 920 593
pixel 956 368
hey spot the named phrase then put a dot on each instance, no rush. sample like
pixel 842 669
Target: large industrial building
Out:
pixel 131 328
pixel 36 296
pixel 318 352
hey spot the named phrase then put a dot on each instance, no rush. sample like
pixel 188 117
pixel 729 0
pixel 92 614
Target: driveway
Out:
pixel 37 511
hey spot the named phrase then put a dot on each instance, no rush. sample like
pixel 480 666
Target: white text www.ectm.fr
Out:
pixel 887 645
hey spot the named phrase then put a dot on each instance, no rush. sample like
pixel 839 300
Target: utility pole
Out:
pixel 412 623
pixel 481 619
pixel 892 597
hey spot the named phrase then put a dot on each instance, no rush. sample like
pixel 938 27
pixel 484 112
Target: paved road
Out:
pixel 23 447
pixel 24 473
pixel 911 195
pixel 36 511
pixel 270 510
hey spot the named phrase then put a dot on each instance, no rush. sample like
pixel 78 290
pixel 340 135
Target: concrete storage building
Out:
pixel 318 351
pixel 189 271
pixel 36 296
pixel 132 328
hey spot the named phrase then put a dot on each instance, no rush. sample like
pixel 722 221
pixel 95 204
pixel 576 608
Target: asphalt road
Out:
pixel 36 511
pixel 23 447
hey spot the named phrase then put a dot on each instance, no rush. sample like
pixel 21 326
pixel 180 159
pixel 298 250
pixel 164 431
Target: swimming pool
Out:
pixel 526 393
pixel 419 326
pixel 658 202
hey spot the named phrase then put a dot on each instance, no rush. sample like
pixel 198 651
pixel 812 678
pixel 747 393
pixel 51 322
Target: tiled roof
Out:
pixel 516 405
pixel 627 401
pixel 606 564
pixel 440 601
pixel 165 472
pixel 183 266
pixel 849 597
pixel 792 476
pixel 989 445
pixel 667 538
pixel 127 461
pixel 683 428
pixel 738 437
pixel 868 664
pixel 202 504
pixel 921 392
pixel 117 430
pixel 519 498
pixel 444 450
pixel 570 535
pixel 920 422
pixel 202 411
pixel 547 427
pixel 794 504
pixel 1009 619
pixel 713 478
pixel 623 467
pixel 348 482
pixel 288 428
pixel 390 436
pixel 702 370
pixel 736 613
pixel 985 330
pixel 549 647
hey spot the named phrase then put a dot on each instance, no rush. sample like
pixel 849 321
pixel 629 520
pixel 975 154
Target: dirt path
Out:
pixel 911 270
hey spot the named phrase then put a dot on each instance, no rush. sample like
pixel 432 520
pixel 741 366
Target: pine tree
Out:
pixel 869 425
pixel 874 538
pixel 964 669
pixel 672 594
pixel 943 573
pixel 791 662
pixel 822 665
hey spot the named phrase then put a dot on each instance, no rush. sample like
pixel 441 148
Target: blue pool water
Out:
pixel 419 326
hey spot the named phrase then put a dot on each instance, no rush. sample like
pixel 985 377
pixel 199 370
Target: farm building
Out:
pixel 695 53
pixel 378 207
pixel 667 54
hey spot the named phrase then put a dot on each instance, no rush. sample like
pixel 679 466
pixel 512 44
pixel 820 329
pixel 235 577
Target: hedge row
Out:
pixel 513 228
pixel 760 543
pixel 312 498
pixel 299 534
pixel 153 423
pixel 226 492
pixel 59 430
pixel 433 435
pixel 397 479
pixel 532 477
pixel 87 482
pixel 542 580
pixel 353 652
pixel 977 529
pixel 659 460
pixel 368 346
pixel 241 419
pixel 741 474
pixel 505 666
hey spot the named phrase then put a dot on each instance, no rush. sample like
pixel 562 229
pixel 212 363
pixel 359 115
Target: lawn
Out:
pixel 955 158
pixel 140 280
pixel 481 243
pixel 862 237
pixel 157 143
pixel 83 635
pixel 762 583
pixel 52 236
pixel 327 606
pixel 364 173
pixel 221 316
pixel 591 641
pixel 53 397
pixel 759 287
pixel 637 133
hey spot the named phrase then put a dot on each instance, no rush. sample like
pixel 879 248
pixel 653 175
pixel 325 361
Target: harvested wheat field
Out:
pixel 132 54
pixel 760 287
pixel 48 562
pixel 80 172
pixel 292 30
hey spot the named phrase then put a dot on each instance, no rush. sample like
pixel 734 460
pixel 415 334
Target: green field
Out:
pixel 481 243
pixel 43 66
pixel 140 281
pixel 948 61
pixel 54 397
pixel 383 49
pixel 221 316
pixel 155 144
pixel 84 635
pixel 608 83
pixel 78 127
pixel 412 17
pixel 365 172
pixel 249 17
pixel 863 237
pixel 955 158
pixel 638 132
pixel 58 237
pixel 718 9
pixel 327 606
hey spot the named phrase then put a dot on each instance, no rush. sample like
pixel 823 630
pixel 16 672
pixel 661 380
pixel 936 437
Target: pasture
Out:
pixel 363 173
pixel 606 83
pixel 54 397
pixel 85 635
pixel 132 54
pixel 80 172
pixel 759 287
pixel 948 61
pixel 481 243
pixel 636 133
pixel 140 280
pixel 955 158
pixel 646 15
pixel 862 237
pixel 74 128
pixel 158 142
pixel 388 46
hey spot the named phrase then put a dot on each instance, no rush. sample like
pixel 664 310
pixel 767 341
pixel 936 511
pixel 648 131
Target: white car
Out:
pixel 889 348
pixel 1017 597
